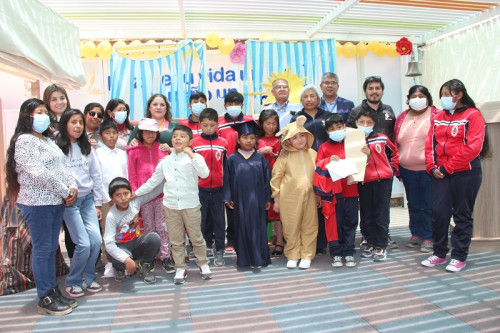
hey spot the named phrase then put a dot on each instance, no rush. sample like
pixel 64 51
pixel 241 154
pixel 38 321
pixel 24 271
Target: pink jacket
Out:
pixel 142 163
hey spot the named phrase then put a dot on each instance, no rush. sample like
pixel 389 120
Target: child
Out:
pixel 197 103
pixel 293 194
pixel 247 192
pixel 82 219
pixel 124 236
pixel 113 163
pixel 142 161
pixel 269 146
pixel 339 201
pixel 375 191
pixel 213 148
pixel 181 170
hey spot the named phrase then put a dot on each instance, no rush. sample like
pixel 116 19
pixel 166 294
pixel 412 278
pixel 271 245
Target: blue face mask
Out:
pixel 337 136
pixel 447 103
pixel 120 116
pixel 234 111
pixel 367 130
pixel 197 108
pixel 41 122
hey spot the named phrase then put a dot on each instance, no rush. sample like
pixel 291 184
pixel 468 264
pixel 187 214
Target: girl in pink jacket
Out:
pixel 142 161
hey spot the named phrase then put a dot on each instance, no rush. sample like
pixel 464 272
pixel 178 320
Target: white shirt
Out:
pixel 113 163
pixel 181 175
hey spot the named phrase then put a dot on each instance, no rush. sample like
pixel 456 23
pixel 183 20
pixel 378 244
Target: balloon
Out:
pixel 117 47
pixel 361 49
pixel 226 45
pixel 393 53
pixel 338 49
pixel 88 50
pixel 383 49
pixel 373 46
pixel 104 50
pixel 348 50
pixel 213 40
pixel 267 38
pixel 152 49
pixel 135 54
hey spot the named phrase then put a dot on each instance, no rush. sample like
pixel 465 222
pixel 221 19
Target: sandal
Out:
pixel 277 253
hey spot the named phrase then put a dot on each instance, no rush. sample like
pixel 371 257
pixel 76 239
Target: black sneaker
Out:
pixel 51 305
pixel 63 299
pixel 391 244
pixel 120 276
pixel 146 272
pixel 168 265
pixel 219 258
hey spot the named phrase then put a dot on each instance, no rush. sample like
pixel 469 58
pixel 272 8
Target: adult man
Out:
pixel 284 108
pixel 330 101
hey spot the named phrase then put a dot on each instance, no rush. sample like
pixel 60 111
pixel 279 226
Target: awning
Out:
pixel 38 44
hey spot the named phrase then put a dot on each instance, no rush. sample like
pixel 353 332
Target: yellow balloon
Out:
pixel 152 49
pixel 373 46
pixel 361 49
pixel 267 38
pixel 348 50
pixel 226 46
pixel 104 50
pixel 138 48
pixel 392 51
pixel 213 40
pixel 338 49
pixel 382 50
pixel 88 50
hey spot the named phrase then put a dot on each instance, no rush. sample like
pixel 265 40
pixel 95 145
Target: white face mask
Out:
pixel 234 111
pixel 418 104
pixel 447 103
pixel 120 116
pixel 196 108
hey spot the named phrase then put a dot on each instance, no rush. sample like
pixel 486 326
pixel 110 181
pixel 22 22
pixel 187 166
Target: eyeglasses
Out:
pixel 280 87
pixel 372 78
pixel 330 83
pixel 98 114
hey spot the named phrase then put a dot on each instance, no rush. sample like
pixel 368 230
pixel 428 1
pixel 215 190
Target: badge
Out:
pixel 218 155
pixel 454 130
pixel 378 149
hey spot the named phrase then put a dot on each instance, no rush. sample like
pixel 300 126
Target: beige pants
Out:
pixel 104 210
pixel 186 219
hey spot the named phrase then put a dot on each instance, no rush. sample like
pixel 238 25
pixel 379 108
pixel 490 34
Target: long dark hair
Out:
pixel 63 140
pixel 168 114
pixel 46 99
pixel 24 126
pixel 457 86
pixel 265 115
pixel 112 104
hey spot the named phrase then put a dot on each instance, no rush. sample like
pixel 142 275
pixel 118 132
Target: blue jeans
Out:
pixel 44 224
pixel 83 226
pixel 418 187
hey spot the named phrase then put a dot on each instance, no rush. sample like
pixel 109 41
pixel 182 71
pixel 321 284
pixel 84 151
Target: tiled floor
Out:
pixel 398 295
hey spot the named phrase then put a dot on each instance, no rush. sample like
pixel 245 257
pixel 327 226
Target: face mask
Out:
pixel 120 116
pixel 197 108
pixel 41 122
pixel 418 104
pixel 337 136
pixel 234 111
pixel 447 103
pixel 367 130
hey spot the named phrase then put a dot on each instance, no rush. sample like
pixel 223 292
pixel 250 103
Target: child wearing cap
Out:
pixel 294 199
pixel 142 161
pixel 247 192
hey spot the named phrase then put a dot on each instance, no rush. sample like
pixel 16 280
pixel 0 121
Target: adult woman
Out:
pixel 410 132
pixel 119 111
pixel 94 112
pixel 39 179
pixel 158 108
pixel 56 100
pixel 453 149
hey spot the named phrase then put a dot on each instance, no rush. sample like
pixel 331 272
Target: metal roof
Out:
pixel 349 20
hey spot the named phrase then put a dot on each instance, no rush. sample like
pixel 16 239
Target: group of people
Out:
pixel 135 195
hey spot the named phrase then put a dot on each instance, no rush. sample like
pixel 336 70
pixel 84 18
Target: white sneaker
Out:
pixel 291 263
pixel 108 271
pixel 337 262
pixel 180 276
pixel 350 262
pixel 305 263
pixel 206 274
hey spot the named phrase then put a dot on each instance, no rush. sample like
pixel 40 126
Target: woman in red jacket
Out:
pixel 453 148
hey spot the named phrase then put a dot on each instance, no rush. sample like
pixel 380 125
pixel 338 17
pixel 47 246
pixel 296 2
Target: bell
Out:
pixel 413 69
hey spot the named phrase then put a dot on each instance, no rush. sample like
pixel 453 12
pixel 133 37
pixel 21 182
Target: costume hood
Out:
pixel 293 128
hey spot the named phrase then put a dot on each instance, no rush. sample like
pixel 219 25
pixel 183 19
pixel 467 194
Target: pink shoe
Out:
pixel 433 261
pixel 455 265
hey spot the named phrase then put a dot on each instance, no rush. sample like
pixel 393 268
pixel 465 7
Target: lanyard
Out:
pixel 333 107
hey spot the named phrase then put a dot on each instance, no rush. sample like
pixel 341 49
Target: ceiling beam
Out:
pixel 182 18
pixel 337 12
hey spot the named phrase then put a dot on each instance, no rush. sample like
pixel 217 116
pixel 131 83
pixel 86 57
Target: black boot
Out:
pixel 63 299
pixel 51 305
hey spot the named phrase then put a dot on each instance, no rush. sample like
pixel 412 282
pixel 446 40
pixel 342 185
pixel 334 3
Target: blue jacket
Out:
pixel 344 106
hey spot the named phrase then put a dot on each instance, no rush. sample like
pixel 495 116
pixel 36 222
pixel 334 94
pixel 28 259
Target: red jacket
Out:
pixel 384 158
pixel 455 140
pixel 142 163
pixel 228 133
pixel 213 148
pixel 193 125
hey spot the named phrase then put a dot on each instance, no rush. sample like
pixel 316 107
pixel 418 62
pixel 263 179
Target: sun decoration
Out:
pixel 294 83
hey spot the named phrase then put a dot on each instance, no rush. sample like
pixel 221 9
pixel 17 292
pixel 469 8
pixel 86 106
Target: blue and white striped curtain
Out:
pixel 306 59
pixel 135 81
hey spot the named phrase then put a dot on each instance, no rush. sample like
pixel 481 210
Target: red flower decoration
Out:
pixel 404 46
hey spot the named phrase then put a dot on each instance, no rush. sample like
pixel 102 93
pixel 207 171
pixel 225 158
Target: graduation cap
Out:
pixel 246 127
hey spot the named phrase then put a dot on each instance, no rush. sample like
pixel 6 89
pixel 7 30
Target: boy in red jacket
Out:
pixel 375 191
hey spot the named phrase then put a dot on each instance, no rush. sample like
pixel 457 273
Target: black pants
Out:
pixel 230 226
pixel 143 248
pixel 321 241
pixel 374 204
pixel 346 212
pixel 454 196
pixel 212 216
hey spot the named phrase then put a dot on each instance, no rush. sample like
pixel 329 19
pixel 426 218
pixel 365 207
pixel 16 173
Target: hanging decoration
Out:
pixel 373 46
pixel 361 50
pixel 267 38
pixel 213 40
pixel 348 50
pixel 383 48
pixel 404 46
pixel 226 46
pixel 88 49
pixel 338 48
pixel 392 52
pixel 237 55
pixel 104 50
pixel 153 49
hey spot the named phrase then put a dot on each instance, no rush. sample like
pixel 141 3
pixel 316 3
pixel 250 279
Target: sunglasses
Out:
pixel 98 114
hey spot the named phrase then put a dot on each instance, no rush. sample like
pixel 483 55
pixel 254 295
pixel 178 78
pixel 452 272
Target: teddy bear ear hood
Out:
pixel 293 128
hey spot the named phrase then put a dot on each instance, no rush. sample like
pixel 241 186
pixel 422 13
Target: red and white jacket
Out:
pixel 383 162
pixel 193 125
pixel 213 148
pixel 455 140
pixel 228 133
